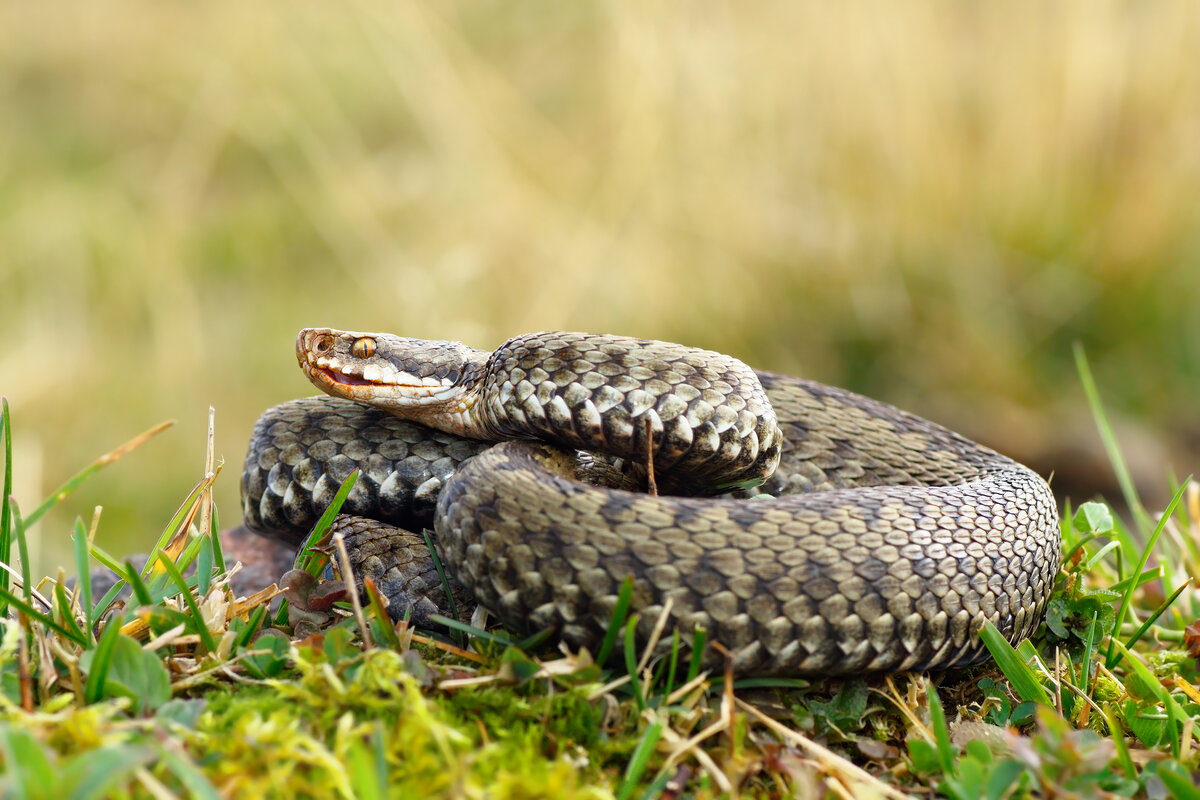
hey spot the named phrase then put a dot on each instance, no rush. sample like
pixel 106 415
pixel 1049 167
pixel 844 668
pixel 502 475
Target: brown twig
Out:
pixel 651 486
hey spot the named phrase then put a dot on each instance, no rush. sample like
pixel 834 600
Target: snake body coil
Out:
pixel 882 541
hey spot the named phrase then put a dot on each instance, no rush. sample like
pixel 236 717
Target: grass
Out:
pixel 926 205
pixel 159 699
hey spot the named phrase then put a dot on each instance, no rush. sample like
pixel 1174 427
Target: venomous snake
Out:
pixel 808 530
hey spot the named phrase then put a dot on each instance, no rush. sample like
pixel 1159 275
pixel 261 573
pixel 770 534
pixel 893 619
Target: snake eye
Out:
pixel 363 348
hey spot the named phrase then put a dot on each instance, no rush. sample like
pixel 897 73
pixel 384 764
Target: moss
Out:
pixel 295 738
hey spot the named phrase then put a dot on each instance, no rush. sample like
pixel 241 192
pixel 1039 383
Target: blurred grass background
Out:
pixel 928 203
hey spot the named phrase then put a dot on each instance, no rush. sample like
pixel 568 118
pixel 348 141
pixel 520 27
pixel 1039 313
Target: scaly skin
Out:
pixel 892 541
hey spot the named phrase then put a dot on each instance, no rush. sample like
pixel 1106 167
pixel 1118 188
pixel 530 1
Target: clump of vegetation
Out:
pixel 167 685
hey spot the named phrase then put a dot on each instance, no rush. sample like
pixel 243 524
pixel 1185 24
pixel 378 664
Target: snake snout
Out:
pixel 312 342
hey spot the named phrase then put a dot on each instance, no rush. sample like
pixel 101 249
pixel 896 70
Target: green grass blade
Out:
pixel 5 521
pixel 97 677
pixel 106 558
pixel 620 611
pixel 477 633
pixel 1112 658
pixel 182 518
pixel 1178 780
pixel 1099 556
pixel 635 681
pixel 768 682
pixel 7 596
pixel 1019 674
pixel 534 641
pixel 366 766
pixel 1134 581
pixel 1124 477
pixel 941 731
pixel 214 534
pixel 201 627
pixel 18 532
pixel 100 463
pixel 83 573
pixel 1158 612
pixel 140 591
pixel 253 624
pixel 303 559
pixel 1117 734
pixel 204 565
pixel 383 631
pixel 441 572
pixel 1089 647
pixel 62 605
pixel 1069 555
pixel 1175 714
pixel 107 600
pixel 673 664
pixel 639 760
pixel 699 639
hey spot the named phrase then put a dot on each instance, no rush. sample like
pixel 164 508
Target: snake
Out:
pixel 791 528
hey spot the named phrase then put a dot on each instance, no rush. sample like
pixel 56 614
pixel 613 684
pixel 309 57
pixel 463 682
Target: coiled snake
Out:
pixel 879 541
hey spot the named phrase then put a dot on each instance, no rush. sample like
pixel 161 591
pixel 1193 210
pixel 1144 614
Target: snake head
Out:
pixel 411 378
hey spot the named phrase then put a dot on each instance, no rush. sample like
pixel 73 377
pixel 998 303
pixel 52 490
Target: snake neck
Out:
pixel 464 414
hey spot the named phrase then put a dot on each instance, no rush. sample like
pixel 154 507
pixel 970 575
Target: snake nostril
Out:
pixel 323 344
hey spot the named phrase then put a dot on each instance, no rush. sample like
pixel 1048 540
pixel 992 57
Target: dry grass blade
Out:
pixel 206 499
pixel 339 542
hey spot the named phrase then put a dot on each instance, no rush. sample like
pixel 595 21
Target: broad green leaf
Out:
pixel 1003 775
pixel 1147 722
pixel 518 667
pixel 27 770
pixel 91 775
pixel 1093 518
pixel 845 710
pixel 267 656
pixel 185 713
pixel 198 786
pixel 924 756
pixel 131 672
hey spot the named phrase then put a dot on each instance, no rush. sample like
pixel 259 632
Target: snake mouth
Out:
pixel 334 377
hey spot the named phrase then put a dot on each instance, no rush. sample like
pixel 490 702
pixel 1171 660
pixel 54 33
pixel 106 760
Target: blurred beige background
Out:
pixel 925 202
